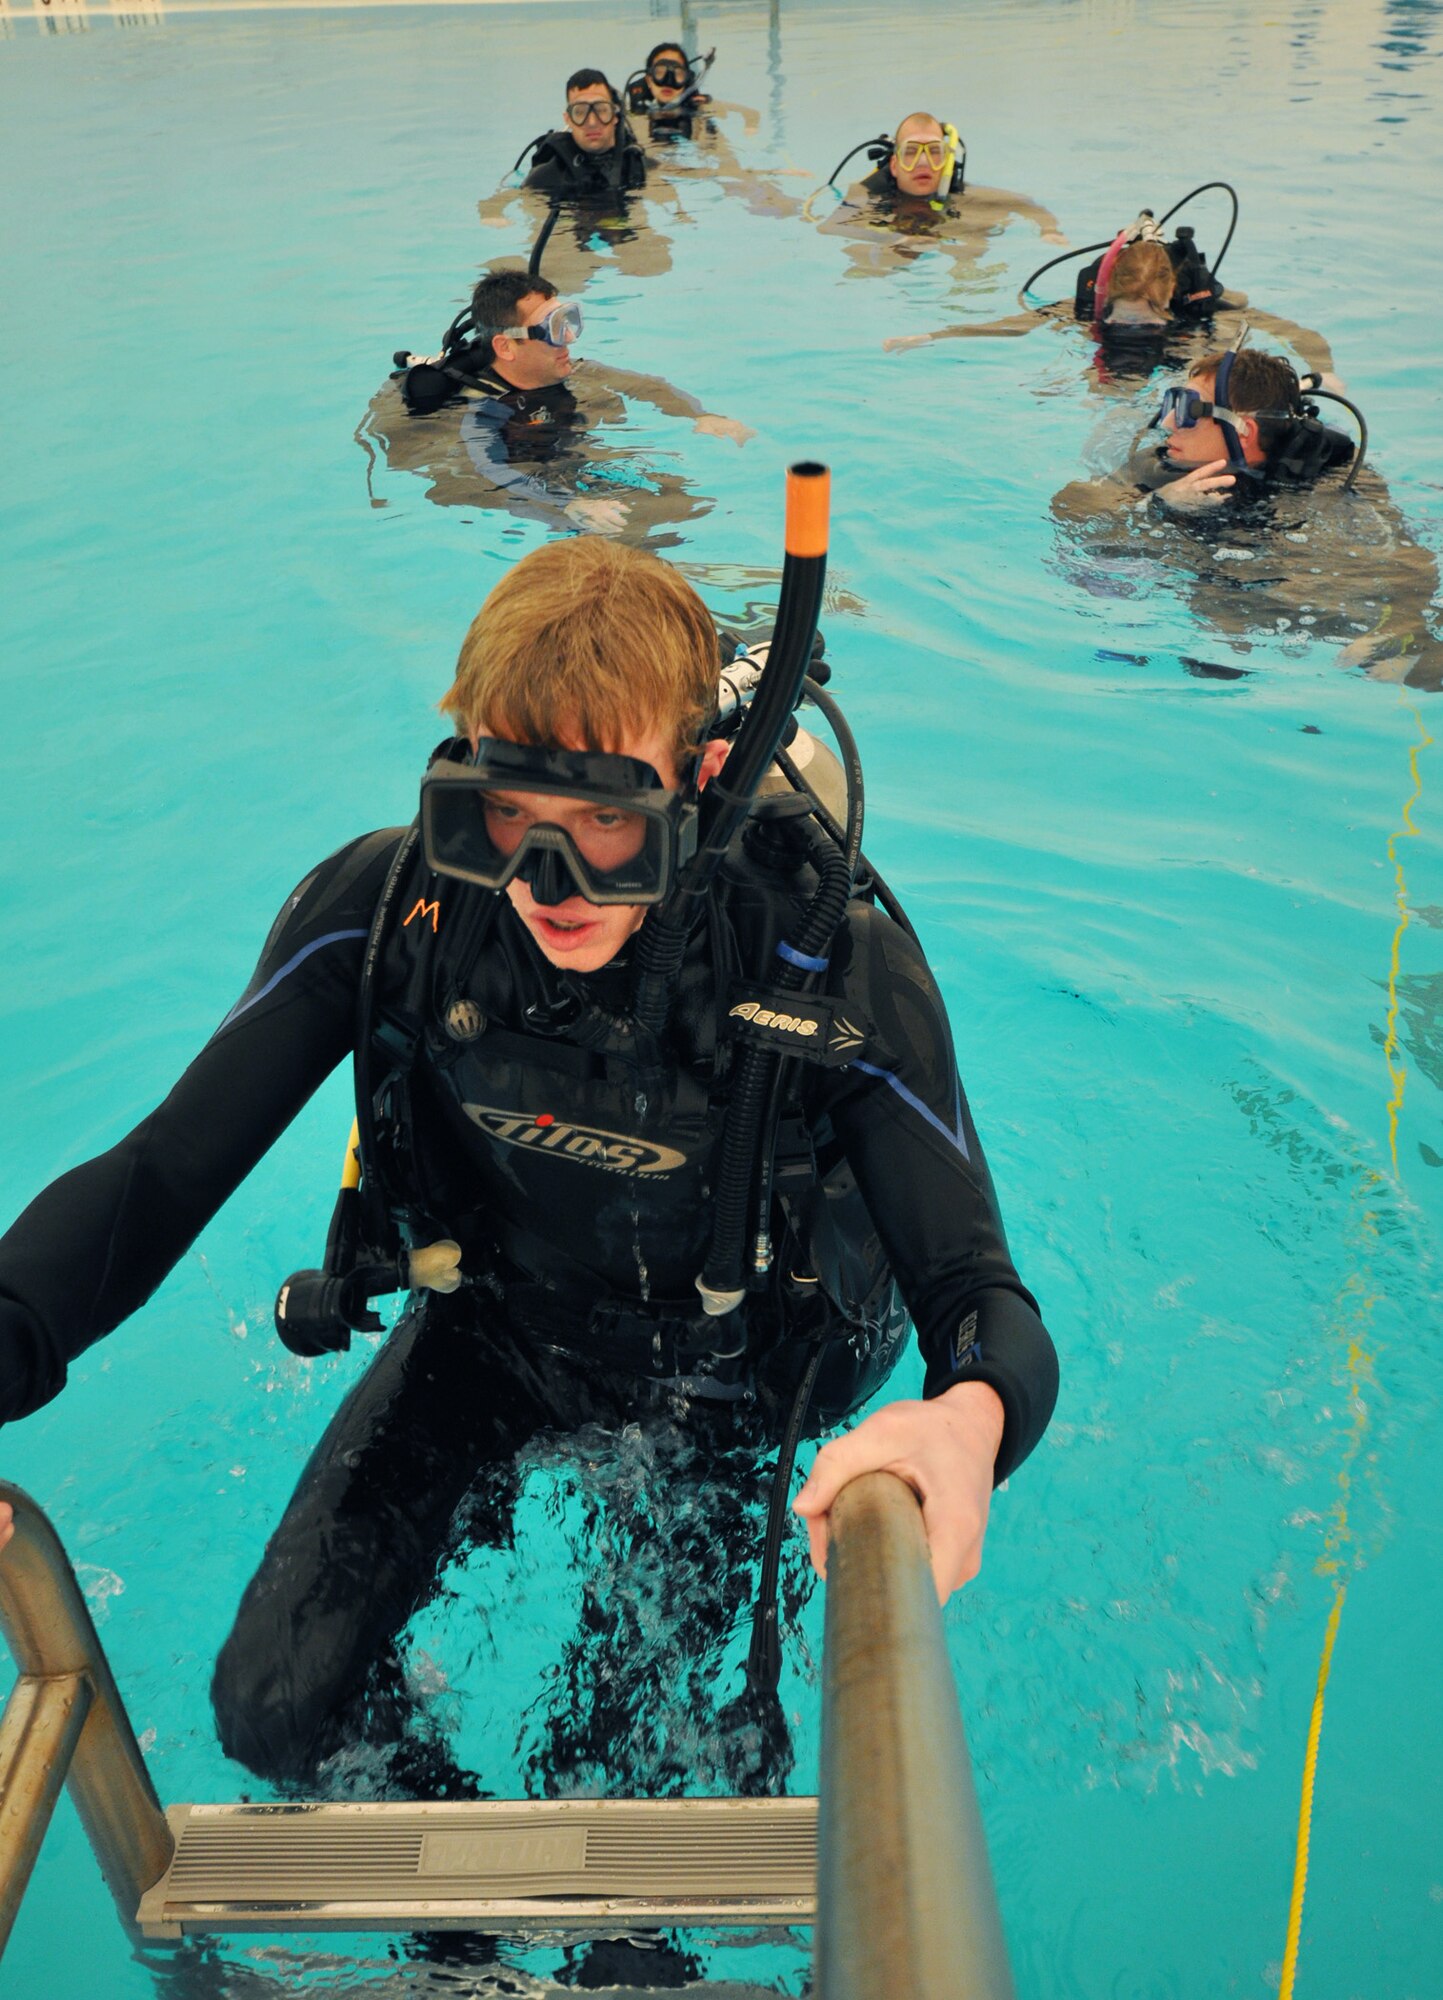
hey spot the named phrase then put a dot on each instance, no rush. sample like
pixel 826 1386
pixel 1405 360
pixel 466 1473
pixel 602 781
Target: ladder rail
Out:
pixel 52 1638
pixel 38 1733
pixel 905 1899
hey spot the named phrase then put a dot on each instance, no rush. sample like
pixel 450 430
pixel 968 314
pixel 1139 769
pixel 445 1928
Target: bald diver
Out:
pixel 917 200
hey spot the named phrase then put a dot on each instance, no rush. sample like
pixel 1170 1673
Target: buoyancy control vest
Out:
pixel 563 168
pixel 510 1095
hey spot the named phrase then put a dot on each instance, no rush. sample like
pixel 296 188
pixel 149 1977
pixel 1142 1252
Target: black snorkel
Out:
pixel 1088 249
pixel 729 797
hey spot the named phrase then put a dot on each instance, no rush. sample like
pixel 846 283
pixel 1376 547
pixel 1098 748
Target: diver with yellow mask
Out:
pixel 917 198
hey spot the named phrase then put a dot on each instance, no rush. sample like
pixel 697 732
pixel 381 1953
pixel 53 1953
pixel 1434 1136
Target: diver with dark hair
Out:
pixel 667 90
pixel 682 121
pixel 917 198
pixel 594 170
pixel 1149 301
pixel 1250 472
pixel 505 414
pixel 595 152
pixel 658 1124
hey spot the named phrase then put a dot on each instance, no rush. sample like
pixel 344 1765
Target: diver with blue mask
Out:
pixel 1276 526
pixel 658 1123
pixel 1239 422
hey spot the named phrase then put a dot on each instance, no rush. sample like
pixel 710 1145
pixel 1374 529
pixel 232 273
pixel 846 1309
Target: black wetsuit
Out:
pixel 562 167
pixel 574 1166
pixel 506 429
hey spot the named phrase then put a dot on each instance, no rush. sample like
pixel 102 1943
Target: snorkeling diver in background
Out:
pixel 1280 528
pixel 506 415
pixel 917 198
pixel 657 1119
pixel 1148 301
pixel 666 91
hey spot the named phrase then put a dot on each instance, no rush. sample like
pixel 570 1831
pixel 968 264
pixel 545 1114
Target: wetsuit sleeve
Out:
pixel 653 389
pixel 483 433
pixel 908 1136
pixel 94 1245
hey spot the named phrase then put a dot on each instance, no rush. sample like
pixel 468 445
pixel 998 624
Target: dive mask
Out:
pixel 670 75
pixel 1186 406
pixel 911 152
pixel 587 110
pixel 565 822
pixel 558 328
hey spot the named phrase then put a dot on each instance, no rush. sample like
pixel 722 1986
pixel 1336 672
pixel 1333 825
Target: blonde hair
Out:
pixel 1143 275
pixel 585 638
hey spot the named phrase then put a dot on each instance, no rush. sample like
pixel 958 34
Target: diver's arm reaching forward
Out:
pixel 666 397
pixel 1011 328
pixel 908 1136
pixel 91 1249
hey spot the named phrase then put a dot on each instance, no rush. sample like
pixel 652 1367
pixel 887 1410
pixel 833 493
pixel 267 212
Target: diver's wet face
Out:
pixel 668 75
pixel 1206 440
pixel 591 118
pixel 578 935
pixel 918 154
pixel 531 364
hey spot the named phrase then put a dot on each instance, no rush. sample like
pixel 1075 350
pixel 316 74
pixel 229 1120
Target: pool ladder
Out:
pixel 888 1865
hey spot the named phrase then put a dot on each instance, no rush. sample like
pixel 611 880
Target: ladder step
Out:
pixel 583 1865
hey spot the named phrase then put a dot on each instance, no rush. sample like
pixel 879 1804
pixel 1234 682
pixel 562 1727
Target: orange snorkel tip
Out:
pixel 809 506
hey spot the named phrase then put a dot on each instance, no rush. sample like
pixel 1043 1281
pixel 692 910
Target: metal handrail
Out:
pixel 67 1711
pixel 905 1902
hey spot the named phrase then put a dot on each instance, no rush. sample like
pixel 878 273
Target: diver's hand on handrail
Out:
pixel 944 1449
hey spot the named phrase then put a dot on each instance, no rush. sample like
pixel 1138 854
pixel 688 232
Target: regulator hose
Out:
pixel 722 1282
pixel 1068 256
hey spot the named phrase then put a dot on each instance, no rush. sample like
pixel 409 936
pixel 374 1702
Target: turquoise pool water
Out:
pixel 1190 927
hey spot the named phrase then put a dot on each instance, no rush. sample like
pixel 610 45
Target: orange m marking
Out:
pixel 423 910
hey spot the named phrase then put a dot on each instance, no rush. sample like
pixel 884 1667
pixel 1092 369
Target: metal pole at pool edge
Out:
pixel 67 1711
pixel 905 1902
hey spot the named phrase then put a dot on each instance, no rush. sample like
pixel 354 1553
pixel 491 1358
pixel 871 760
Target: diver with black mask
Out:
pixel 657 1119
pixel 506 415
pixel 667 91
pixel 594 168
pixel 1149 301
pixel 1251 473
pixel 595 152
pixel 683 122
pixel 917 198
